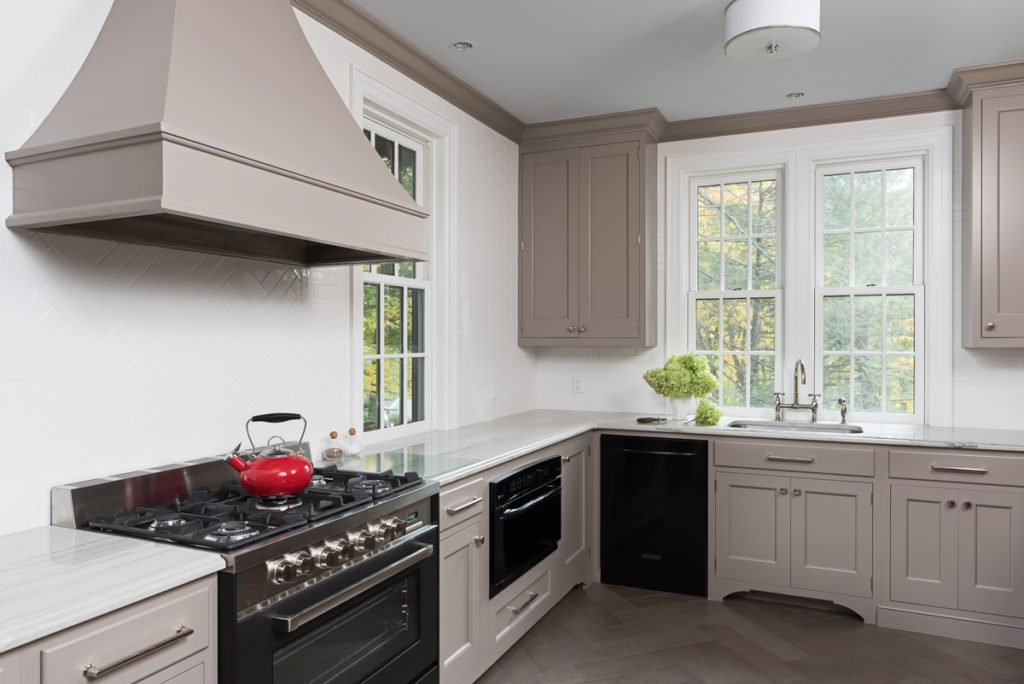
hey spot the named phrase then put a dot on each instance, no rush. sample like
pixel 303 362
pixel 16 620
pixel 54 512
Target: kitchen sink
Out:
pixel 795 426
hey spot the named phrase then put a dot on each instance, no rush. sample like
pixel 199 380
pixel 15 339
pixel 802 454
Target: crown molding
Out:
pixel 360 28
pixel 965 79
pixel 649 120
pixel 811 115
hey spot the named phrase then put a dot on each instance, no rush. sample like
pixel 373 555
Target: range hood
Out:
pixel 210 125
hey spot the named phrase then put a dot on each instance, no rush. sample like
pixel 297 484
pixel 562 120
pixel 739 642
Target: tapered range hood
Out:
pixel 210 125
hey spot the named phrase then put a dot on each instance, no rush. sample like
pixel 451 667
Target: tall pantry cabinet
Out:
pixel 586 232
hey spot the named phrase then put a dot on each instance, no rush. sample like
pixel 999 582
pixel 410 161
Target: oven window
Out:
pixel 357 642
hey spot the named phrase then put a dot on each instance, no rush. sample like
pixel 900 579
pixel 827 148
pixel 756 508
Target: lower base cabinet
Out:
pixel 463 568
pixel 169 638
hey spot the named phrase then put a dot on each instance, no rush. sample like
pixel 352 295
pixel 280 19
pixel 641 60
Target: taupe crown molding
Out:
pixel 966 78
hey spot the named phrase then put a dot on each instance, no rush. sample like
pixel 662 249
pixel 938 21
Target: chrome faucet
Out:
pixel 799 378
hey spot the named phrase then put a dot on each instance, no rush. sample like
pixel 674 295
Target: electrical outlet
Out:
pixel 577 384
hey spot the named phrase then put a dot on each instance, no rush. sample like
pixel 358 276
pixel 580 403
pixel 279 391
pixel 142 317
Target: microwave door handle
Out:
pixel 519 510
pixel 290 623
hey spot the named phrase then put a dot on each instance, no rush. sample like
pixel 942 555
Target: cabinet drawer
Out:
pixel 157 628
pixel 525 604
pixel 956 466
pixel 461 501
pixel 801 457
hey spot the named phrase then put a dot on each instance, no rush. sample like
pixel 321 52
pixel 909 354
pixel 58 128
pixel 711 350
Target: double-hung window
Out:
pixel 859 250
pixel 395 298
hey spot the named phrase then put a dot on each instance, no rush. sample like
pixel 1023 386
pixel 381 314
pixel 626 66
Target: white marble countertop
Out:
pixel 449 455
pixel 54 578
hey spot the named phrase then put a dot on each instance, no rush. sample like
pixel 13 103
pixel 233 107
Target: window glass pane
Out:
pixel 371 394
pixel 734 325
pixel 414 389
pixel 867 323
pixel 836 379
pixel 371 337
pixel 836 189
pixel 867 259
pixel 762 266
pixel 867 383
pixel 391 393
pixel 762 324
pixel 735 264
pixel 709 211
pixel 835 313
pixel 414 320
pixel 406 269
pixel 709 265
pixel 736 209
pixel 900 384
pixel 713 366
pixel 899 257
pixel 386 149
pixel 900 312
pixel 707 324
pixel 867 203
pixel 407 169
pixel 734 380
pixel 837 260
pixel 762 381
pixel 368 134
pixel 899 197
pixel 392 319
pixel 763 206
pixel 386 269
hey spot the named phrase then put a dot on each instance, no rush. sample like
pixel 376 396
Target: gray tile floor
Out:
pixel 605 633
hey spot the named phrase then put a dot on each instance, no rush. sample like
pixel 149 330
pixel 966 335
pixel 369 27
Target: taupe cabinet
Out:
pixel 476 629
pixel 956 544
pixel 586 274
pixel 993 287
pixel 175 631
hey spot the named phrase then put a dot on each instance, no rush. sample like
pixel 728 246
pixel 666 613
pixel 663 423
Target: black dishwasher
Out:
pixel 654 513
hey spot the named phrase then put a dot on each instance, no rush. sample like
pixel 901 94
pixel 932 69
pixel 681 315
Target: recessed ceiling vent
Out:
pixel 212 127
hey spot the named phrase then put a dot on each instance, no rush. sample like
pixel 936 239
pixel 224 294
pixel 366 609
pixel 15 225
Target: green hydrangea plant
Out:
pixel 685 375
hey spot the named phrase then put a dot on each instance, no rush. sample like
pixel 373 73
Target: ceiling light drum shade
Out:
pixel 769 30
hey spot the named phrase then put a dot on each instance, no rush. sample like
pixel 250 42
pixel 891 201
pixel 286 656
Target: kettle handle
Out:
pixel 274 418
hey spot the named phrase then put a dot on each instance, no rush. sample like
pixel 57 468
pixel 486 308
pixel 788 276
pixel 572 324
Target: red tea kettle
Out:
pixel 275 471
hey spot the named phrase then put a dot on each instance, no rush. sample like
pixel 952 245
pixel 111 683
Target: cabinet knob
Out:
pixel 951 504
pixel 583 328
pixel 797 492
pixel 572 328
pixel 783 491
pixel 990 326
pixel 968 505
pixel 479 540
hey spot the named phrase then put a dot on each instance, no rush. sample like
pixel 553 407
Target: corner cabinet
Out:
pixel 586 241
pixel 993 206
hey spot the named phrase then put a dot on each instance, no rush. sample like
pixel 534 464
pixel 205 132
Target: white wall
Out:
pixel 115 357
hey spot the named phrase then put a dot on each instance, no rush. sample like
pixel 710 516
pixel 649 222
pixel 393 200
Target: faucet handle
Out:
pixel 814 398
pixel 842 408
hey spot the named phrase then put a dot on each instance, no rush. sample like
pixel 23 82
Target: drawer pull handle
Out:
pixel 520 609
pixel 93 672
pixel 959 469
pixel 452 510
pixel 791 459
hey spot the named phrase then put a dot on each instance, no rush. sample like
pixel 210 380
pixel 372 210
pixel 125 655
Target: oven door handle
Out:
pixel 290 623
pixel 519 510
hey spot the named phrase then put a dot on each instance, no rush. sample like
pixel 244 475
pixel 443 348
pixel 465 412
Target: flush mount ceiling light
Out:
pixel 769 30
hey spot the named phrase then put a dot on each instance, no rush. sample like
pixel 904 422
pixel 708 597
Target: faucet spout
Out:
pixel 799 378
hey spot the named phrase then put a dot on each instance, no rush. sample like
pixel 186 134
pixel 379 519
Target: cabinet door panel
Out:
pixel 992 552
pixel 461 589
pixel 549 267
pixel 573 545
pixel 924 546
pixel 831 536
pixel 752 523
pixel 1002 215
pixel 609 240
pixel 10 668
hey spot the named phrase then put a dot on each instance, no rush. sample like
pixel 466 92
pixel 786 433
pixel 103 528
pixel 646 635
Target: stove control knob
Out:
pixel 329 557
pixel 385 532
pixel 345 549
pixel 397 525
pixel 364 541
pixel 304 562
pixel 284 571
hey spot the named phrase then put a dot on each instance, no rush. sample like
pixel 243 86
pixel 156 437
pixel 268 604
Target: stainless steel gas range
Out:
pixel 338 583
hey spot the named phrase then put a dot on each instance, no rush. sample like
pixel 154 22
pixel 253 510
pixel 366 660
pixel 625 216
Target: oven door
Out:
pixel 374 622
pixel 523 532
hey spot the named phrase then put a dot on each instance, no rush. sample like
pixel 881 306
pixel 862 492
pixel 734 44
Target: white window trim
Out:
pixel 376 101
pixel 797 152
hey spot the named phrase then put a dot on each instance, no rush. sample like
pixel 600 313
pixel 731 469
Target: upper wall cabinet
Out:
pixel 993 205
pixel 586 239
